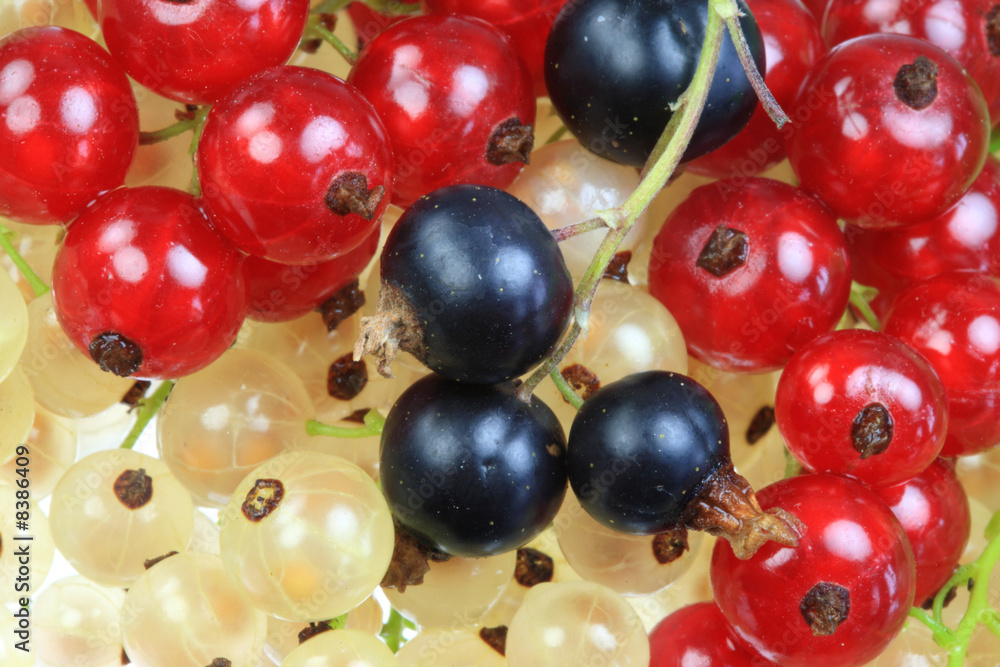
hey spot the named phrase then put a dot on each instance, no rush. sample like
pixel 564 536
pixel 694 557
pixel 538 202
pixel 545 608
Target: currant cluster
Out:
pixel 432 386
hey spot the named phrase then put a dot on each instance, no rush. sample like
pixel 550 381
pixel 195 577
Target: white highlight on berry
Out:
pixel 795 257
pixel 940 341
pixel 469 86
pixel 116 235
pixel 265 147
pixel 848 540
pixel 854 126
pixel 78 110
pixel 215 418
pixel 984 334
pixel 945 25
pixel 321 137
pixel 924 129
pixel 554 637
pixel 974 220
pixel 185 268
pixel 408 92
pixel 912 510
pixel 23 114
pixel 174 13
pixel 888 383
pixel 250 5
pixel 130 264
pixel 256 118
pixel 693 658
pixel 15 78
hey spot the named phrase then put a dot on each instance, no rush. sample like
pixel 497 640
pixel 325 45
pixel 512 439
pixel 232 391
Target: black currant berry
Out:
pixel 471 469
pixel 650 453
pixel 473 285
pixel 613 67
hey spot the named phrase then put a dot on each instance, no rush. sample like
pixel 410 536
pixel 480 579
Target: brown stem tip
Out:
pixel 726 506
pixel 115 353
pixel 262 499
pixel 349 193
pixel 669 546
pixel 496 638
pixel 134 488
pixel 510 142
pixel 825 607
pixel 346 378
pixel 871 430
pixel 533 567
pixel 725 251
pixel 345 302
pixel 916 85
pixel 150 562
pixel 135 393
pixel 395 326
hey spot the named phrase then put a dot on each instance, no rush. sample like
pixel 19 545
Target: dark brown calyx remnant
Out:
pixel 115 353
pixel 410 561
pixel 496 638
pixel 313 630
pixel 135 393
pixel 346 378
pixel 725 252
pixel 262 499
pixel 220 662
pixel 618 266
pixel 358 416
pixel 761 423
pixel 669 546
pixel 150 562
pixel 871 430
pixel 510 142
pixel 993 30
pixel 825 607
pixel 916 85
pixel 134 488
pixel 582 379
pixel 726 506
pixel 125 658
pixel 310 46
pixel 349 193
pixel 533 567
pixel 395 326
pixel 344 303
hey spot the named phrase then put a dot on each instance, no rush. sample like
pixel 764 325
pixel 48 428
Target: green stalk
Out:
pixel 200 116
pixel 392 631
pixel 661 165
pixel 315 28
pixel 861 297
pixel 148 407
pixel 37 286
pixel 566 390
pixel 570 231
pixel 995 141
pixel 169 132
pixel 374 422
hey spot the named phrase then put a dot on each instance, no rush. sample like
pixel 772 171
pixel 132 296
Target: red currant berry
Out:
pixel 70 124
pixel 934 511
pixel 966 236
pixel 146 287
pixel 968 30
pixel 898 131
pixel 526 22
pixel 295 166
pixel 837 599
pixel 279 292
pixel 196 51
pixel 952 319
pixel 792 45
pixel 764 249
pixel 456 101
pixel 698 635
pixel 368 22
pixel 863 404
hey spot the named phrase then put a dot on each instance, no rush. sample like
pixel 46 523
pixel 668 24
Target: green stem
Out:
pixel 374 422
pixel 928 620
pixel 148 407
pixel 557 135
pixel 37 286
pixel 792 466
pixel 565 389
pixel 861 297
pixel 200 116
pixel 315 28
pixel 392 631
pixel 169 132
pixel 329 6
pixel 995 141
pixel 338 623
pixel 767 100
pixel 662 163
pixel 570 231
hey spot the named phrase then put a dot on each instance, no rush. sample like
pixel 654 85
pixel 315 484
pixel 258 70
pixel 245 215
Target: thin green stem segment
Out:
pixel 995 141
pixel 169 132
pixel 767 100
pixel 861 297
pixel 200 116
pixel 566 390
pixel 374 421
pixel 148 407
pixel 956 642
pixel 392 631
pixel 338 623
pixel 37 286
pixel 662 163
pixel 570 231
pixel 315 28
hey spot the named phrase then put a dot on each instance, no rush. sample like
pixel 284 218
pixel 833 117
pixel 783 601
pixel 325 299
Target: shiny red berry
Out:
pixel 768 254
pixel 698 635
pixel 69 124
pixel 197 50
pixel 835 600
pixel 456 101
pixel 146 287
pixel 295 166
pixel 898 131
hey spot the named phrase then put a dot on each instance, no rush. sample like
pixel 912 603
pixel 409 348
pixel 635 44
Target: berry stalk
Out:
pixel 148 407
pixel 374 421
pixel 37 286
pixel 315 27
pixel 566 390
pixel 860 298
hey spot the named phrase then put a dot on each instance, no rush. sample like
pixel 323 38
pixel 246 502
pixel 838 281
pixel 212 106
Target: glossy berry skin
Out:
pixel 146 264
pixel 368 22
pixel 850 542
pixel 526 22
pixel 698 635
pixel 966 236
pixel 280 292
pixel 934 511
pixel 614 98
pixel 968 30
pixel 69 125
pixel 792 45
pixel 792 286
pixel 863 404
pixel 197 51
pixel 486 279
pixel 272 153
pixel 877 161
pixel 953 320
pixel 641 448
pixel 472 470
pixel 442 86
